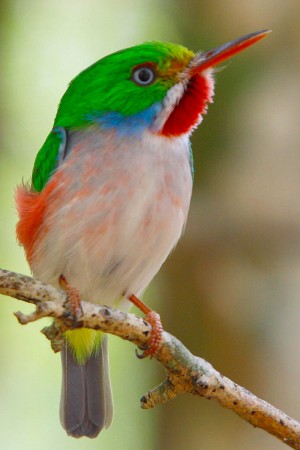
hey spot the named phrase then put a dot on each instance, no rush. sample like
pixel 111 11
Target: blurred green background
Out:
pixel 231 290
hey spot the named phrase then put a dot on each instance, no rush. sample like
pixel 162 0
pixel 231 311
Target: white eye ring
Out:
pixel 143 76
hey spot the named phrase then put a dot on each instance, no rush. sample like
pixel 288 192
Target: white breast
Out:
pixel 119 208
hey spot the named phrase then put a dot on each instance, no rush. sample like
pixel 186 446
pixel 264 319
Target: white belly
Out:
pixel 118 210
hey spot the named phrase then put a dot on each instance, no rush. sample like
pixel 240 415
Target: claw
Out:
pixel 155 339
pixel 140 355
pixel 153 318
pixel 73 297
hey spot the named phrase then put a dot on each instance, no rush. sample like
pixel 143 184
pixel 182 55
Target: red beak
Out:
pixel 203 61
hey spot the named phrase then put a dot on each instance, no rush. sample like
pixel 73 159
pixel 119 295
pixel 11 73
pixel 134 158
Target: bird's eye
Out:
pixel 143 76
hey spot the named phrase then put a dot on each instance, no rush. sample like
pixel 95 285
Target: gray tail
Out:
pixel 86 402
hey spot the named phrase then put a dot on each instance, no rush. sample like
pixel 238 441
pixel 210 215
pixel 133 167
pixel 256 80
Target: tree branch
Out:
pixel 185 372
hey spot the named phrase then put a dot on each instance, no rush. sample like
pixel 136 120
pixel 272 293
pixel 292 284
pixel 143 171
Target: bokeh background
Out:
pixel 231 290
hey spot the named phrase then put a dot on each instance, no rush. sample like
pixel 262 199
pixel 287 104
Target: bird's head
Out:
pixel 159 86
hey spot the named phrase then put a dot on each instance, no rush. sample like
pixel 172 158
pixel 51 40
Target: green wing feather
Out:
pixel 48 158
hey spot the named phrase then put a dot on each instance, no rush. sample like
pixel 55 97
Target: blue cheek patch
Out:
pixel 127 125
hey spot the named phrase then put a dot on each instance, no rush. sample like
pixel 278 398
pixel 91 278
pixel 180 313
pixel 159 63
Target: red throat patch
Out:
pixel 187 113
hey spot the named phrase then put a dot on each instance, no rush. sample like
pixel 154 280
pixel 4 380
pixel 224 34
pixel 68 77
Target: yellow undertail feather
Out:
pixel 83 342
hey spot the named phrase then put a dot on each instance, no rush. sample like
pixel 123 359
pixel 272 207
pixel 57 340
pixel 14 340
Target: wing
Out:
pixel 49 157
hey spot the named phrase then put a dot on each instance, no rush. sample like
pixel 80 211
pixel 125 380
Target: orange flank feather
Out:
pixel 31 207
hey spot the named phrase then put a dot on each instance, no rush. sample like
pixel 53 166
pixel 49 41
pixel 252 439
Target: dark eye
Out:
pixel 143 76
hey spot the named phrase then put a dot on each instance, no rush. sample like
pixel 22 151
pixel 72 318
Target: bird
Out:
pixel 110 193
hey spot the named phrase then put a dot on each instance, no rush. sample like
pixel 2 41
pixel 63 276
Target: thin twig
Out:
pixel 186 372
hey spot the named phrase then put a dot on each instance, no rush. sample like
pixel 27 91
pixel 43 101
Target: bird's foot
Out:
pixel 153 318
pixel 73 296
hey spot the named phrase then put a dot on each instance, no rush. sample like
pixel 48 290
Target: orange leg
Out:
pixel 154 319
pixel 73 295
